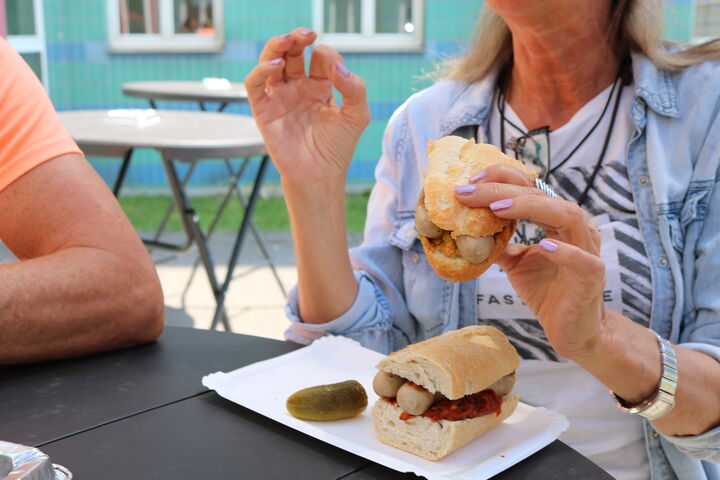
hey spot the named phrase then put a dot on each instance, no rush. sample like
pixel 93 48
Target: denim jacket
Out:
pixel 673 159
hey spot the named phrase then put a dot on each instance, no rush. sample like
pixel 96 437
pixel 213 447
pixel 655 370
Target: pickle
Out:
pixel 328 402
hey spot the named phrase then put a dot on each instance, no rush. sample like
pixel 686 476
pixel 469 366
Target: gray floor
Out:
pixel 255 303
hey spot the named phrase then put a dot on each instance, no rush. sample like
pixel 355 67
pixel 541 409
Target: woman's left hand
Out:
pixel 562 278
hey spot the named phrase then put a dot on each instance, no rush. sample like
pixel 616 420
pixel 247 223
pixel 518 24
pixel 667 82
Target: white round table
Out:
pixel 189 137
pixel 186 91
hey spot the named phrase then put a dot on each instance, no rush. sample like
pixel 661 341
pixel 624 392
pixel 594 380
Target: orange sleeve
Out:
pixel 30 130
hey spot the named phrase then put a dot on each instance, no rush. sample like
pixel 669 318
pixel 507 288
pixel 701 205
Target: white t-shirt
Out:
pixel 600 431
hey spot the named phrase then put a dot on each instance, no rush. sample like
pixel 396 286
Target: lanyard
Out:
pixel 515 143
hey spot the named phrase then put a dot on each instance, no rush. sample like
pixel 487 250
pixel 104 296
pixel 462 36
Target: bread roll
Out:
pixel 453 365
pixel 452 161
pixel 430 439
pixel 456 363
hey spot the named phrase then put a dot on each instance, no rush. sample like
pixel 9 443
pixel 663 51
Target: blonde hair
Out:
pixel 634 25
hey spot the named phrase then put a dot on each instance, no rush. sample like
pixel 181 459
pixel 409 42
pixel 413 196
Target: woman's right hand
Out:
pixel 309 137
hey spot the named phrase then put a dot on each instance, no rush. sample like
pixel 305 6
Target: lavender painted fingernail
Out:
pixel 501 204
pixel 548 245
pixel 286 36
pixel 305 32
pixel 464 189
pixel 342 69
pixel 477 177
pixel 276 61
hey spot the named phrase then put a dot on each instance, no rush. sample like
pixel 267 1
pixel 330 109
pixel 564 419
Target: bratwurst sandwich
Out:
pixel 460 242
pixel 438 395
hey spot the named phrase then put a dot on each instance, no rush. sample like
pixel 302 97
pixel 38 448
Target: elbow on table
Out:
pixel 145 309
pixel 152 323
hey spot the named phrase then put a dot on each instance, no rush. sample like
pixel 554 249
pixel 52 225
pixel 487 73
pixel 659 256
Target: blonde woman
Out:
pixel 623 128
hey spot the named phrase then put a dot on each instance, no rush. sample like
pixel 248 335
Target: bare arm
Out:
pixel 84 282
pixel 326 284
pixel 311 140
pixel 627 361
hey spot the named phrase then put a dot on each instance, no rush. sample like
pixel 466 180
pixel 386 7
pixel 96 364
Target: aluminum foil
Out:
pixel 18 462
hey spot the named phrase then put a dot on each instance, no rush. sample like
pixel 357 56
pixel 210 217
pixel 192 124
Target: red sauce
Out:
pixel 469 406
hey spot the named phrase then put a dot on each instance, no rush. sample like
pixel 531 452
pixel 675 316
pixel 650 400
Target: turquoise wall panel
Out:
pixel 75 20
pixel 83 74
pixel 679 20
pixel 259 20
pixel 451 20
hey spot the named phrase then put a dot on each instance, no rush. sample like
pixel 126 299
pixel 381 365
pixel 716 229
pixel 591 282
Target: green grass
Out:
pixel 146 211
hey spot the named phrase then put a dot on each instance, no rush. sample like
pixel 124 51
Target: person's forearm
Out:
pixel 627 361
pixel 76 301
pixel 326 284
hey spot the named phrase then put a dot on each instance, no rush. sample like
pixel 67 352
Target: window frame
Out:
pixel 368 40
pixel 167 41
pixel 29 44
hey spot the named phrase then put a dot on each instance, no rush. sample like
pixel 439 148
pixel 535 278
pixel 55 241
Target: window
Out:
pixel 26 33
pixel 370 25
pixel 706 24
pixel 165 25
pixel 20 17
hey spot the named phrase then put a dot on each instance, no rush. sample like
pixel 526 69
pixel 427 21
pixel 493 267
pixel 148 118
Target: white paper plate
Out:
pixel 265 386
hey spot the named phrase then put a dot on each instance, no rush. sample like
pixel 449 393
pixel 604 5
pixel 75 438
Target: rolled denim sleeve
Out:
pixel 699 447
pixel 705 446
pixel 368 320
pixel 380 306
pixel 701 330
pixel 704 325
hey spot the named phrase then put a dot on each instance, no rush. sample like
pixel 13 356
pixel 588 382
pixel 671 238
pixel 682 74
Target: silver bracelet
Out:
pixel 662 401
pixel 545 188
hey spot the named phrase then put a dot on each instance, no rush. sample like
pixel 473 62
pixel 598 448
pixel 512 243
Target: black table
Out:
pixel 143 413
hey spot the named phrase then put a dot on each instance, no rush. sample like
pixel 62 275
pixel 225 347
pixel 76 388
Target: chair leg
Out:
pixel 171 208
pixel 191 223
pixel 123 171
pixel 240 237
pixel 254 230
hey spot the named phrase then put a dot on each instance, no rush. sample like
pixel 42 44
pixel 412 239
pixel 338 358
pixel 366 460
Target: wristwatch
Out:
pixel 662 401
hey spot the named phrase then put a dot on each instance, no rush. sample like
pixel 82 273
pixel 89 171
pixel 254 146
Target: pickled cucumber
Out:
pixel 328 402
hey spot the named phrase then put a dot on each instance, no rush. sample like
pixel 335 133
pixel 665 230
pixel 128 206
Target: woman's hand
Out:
pixel 308 136
pixel 562 278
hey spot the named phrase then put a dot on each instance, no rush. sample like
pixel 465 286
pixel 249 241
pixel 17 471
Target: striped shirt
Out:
pixel 609 203
pixel 597 429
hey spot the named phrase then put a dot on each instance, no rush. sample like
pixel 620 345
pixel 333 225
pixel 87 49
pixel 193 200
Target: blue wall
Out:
pixel 83 74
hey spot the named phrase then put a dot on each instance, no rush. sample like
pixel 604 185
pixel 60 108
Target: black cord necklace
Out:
pixel 598 164
pixel 622 75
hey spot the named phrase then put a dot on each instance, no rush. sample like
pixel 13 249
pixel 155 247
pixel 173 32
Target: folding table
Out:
pixel 198 92
pixel 186 91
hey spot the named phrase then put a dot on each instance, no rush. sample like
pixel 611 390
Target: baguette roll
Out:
pixel 456 363
pixel 451 366
pixel 432 439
